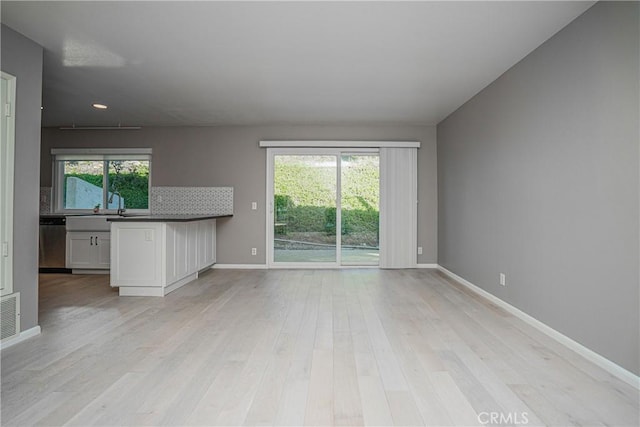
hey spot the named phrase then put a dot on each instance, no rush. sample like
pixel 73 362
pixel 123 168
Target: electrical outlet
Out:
pixel 254 251
pixel 503 279
pixel 419 250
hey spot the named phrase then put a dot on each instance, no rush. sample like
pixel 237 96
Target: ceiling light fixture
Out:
pixel 99 106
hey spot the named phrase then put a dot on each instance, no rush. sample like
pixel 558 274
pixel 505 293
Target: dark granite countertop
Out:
pixel 164 218
pixel 61 215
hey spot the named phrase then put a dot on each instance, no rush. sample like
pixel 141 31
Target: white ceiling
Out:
pixel 217 63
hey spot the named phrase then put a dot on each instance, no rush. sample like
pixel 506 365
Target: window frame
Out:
pixel 105 155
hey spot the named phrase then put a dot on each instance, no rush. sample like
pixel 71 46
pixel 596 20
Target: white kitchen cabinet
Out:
pixel 137 255
pixel 172 253
pixel 88 250
pixel 206 243
pixel 179 230
pixel 155 258
pixel 192 247
pixel 176 244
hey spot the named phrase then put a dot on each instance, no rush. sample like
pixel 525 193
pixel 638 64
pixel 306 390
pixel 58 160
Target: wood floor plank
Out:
pixel 293 347
pixel 347 405
pixel 319 407
pixel 455 402
pixel 106 403
pixel 375 407
pixel 265 404
pixel 292 407
pixel 246 385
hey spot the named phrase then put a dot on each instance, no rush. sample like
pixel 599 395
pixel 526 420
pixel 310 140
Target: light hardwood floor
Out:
pixel 297 347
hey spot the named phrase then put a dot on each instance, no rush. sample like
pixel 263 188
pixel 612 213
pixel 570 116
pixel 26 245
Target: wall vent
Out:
pixel 10 315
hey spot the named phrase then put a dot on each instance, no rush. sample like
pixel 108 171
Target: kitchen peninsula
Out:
pixel 156 254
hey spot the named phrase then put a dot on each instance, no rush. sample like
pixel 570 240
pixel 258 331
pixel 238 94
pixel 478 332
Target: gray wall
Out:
pixel 230 156
pixel 538 178
pixel 22 58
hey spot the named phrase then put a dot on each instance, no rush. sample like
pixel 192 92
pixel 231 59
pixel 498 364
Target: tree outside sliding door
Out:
pixel 325 208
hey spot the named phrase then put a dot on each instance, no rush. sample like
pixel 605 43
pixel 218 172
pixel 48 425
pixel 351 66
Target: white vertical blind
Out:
pixel 398 207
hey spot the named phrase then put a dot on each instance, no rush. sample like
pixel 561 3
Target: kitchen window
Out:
pixel 109 179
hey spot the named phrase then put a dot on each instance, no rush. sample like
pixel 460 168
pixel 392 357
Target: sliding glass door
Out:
pixel 304 201
pixel 360 209
pixel 312 191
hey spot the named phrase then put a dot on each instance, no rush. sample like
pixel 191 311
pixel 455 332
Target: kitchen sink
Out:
pixel 95 222
pixel 89 223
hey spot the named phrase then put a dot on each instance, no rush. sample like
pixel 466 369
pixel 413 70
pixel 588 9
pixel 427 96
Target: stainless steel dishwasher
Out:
pixel 53 237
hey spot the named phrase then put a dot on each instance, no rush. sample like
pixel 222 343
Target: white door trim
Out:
pixel 308 150
pixel 7 185
pixel 350 145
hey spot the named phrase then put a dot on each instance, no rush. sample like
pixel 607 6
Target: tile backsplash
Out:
pixel 174 200
pixel 45 200
pixel 191 200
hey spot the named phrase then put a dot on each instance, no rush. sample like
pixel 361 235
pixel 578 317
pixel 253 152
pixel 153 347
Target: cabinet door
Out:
pixel 209 242
pixel 181 250
pixel 80 250
pixel 202 244
pixel 206 243
pixel 171 257
pixel 102 247
pixel 192 247
pixel 211 259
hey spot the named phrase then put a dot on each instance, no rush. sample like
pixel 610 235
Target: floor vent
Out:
pixel 10 315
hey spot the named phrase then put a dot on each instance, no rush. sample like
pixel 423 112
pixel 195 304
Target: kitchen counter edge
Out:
pixel 165 218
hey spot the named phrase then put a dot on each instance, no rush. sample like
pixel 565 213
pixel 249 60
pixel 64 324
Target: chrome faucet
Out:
pixel 121 208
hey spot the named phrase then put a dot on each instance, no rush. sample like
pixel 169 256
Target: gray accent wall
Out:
pixel 538 178
pixel 22 58
pixel 230 156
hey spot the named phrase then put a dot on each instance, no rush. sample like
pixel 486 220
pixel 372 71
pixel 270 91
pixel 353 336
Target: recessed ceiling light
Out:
pixel 99 106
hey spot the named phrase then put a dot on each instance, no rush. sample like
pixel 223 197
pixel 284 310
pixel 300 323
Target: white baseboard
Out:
pixel 239 266
pixel 22 336
pixel 601 361
pixel 264 266
pixel 427 266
